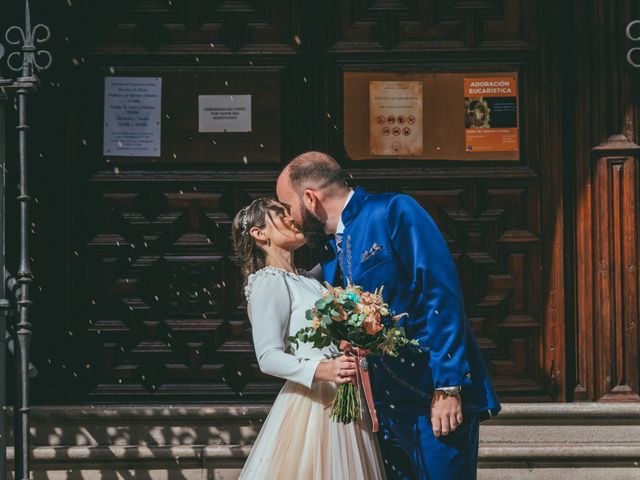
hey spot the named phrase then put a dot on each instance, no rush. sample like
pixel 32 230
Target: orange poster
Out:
pixel 491 114
pixel 395 118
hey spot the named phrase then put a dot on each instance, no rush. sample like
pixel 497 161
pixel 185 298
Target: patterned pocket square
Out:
pixel 375 248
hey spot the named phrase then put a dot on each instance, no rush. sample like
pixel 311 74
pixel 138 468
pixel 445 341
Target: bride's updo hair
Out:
pixel 249 254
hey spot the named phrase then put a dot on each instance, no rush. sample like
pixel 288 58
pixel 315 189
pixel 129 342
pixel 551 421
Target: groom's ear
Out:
pixel 310 200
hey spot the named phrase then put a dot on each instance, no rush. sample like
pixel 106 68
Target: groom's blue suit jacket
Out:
pixel 390 240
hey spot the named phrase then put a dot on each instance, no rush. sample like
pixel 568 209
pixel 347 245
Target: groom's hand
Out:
pixel 446 413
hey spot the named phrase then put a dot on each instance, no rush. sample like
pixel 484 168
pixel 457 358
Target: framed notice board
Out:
pixel 431 116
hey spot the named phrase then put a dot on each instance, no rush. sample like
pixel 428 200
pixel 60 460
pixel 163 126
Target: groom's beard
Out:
pixel 313 229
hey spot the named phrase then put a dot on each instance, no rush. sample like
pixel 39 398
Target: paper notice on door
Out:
pixel 491 114
pixel 224 113
pixel 132 115
pixel 395 118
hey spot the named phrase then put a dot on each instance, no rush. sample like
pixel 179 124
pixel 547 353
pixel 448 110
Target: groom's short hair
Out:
pixel 316 170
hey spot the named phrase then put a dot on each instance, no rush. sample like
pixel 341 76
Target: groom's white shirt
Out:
pixel 340 227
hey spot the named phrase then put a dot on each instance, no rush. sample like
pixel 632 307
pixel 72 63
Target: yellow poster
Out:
pixel 491 114
pixel 395 118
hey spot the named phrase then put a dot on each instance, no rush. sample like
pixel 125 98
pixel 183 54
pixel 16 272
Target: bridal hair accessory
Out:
pixel 244 220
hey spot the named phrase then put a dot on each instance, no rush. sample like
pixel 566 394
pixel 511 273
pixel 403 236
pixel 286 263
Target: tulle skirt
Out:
pixel 299 441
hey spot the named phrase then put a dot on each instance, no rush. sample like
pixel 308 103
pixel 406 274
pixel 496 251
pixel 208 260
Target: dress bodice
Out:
pixel 277 303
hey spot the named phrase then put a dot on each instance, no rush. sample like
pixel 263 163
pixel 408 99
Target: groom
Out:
pixel 431 399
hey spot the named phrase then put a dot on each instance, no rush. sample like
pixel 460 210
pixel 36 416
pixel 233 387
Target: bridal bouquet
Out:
pixel 360 324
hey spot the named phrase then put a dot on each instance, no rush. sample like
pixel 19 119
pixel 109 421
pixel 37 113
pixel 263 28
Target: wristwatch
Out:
pixel 450 391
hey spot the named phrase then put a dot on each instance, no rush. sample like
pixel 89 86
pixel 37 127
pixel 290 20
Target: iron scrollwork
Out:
pixel 26 61
pixel 633 38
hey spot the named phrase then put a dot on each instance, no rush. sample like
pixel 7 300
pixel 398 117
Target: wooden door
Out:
pixel 157 312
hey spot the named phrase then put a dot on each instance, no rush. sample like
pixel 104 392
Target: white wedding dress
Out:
pixel 298 440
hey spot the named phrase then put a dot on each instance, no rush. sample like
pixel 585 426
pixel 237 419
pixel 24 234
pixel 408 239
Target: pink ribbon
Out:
pixel 363 377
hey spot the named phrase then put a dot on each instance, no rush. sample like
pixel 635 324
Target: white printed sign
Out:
pixel 224 113
pixel 132 115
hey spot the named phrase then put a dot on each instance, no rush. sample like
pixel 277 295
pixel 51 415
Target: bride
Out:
pixel 298 439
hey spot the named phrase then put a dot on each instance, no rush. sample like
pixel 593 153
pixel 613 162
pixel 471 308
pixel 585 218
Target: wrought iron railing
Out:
pixel 25 60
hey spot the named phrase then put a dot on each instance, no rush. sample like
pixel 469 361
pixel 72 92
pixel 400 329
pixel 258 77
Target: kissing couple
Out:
pixel 429 400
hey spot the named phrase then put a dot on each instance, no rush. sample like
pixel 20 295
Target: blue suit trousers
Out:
pixel 412 452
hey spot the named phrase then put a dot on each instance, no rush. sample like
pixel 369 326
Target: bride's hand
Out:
pixel 340 369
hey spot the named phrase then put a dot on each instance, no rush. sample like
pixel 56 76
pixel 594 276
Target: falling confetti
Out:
pixel 245 160
pixel 296 38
